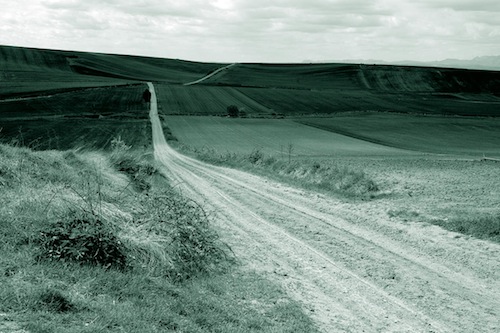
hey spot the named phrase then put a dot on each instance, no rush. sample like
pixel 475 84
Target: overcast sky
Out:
pixel 258 30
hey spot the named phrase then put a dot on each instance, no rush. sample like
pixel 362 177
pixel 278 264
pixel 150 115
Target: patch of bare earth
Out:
pixel 350 265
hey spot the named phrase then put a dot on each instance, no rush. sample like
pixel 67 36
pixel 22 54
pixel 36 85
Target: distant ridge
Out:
pixel 479 63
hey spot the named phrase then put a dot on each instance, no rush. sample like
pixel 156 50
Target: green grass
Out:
pixel 300 102
pixel 28 71
pixel 116 102
pixel 82 119
pixel 272 136
pixel 65 298
pixel 435 134
pixel 322 175
pixel 179 276
pixel 302 89
pixel 359 77
pixel 282 102
pixel 206 100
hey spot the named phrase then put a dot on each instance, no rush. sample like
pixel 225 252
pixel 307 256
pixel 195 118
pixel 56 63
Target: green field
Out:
pixel 295 102
pixel 84 99
pixel 88 118
pixel 347 135
pixel 205 100
pixel 272 102
pixel 437 134
pixel 331 88
pixel 270 135
pixel 28 72
pixel 360 77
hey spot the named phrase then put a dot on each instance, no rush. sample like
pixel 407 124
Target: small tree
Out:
pixel 146 96
pixel 233 111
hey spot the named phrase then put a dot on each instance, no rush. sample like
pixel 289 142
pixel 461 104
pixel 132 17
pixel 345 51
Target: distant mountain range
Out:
pixel 485 62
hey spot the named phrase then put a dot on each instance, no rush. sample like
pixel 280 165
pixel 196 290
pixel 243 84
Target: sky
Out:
pixel 258 30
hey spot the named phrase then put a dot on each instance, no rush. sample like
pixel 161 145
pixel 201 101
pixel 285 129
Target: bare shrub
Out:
pixel 188 244
pixel 82 239
pixel 256 156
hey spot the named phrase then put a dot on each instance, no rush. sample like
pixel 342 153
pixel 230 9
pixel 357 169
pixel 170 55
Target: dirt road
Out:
pixel 351 268
pixel 209 75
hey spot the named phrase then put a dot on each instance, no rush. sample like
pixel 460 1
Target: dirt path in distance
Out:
pixel 351 268
pixel 209 75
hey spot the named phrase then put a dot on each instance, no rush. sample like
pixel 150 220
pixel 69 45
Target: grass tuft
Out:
pixel 483 227
pixel 320 175
pixel 134 164
pixel 54 300
pixel 82 239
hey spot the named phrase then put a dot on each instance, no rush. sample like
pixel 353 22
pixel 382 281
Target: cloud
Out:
pixel 463 5
pixel 258 30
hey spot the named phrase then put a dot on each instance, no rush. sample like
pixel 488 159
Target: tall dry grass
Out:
pixel 321 175
pixel 170 250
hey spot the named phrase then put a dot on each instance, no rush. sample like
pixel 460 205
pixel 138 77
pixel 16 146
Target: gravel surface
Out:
pixel 356 266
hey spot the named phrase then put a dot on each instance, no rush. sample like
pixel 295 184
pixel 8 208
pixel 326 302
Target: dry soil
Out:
pixel 352 266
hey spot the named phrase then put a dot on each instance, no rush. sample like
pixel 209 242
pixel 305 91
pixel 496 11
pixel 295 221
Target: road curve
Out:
pixel 349 267
pixel 209 75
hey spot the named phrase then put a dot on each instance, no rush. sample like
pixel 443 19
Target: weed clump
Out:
pixel 196 248
pixel 255 156
pixel 81 239
pixel 55 301
pixel 134 166
pixel 482 227
pixel 137 171
pixel 172 236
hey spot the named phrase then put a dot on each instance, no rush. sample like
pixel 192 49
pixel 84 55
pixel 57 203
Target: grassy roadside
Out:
pixel 317 175
pixel 86 248
pixel 476 224
pixel 330 178
pixel 485 226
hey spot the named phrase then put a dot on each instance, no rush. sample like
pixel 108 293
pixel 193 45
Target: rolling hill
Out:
pixel 27 71
pixel 261 89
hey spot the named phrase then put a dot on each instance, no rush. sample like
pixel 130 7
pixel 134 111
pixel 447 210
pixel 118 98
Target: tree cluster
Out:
pixel 233 111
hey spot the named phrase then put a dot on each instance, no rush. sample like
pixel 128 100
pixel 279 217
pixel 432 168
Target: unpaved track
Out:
pixel 209 75
pixel 350 267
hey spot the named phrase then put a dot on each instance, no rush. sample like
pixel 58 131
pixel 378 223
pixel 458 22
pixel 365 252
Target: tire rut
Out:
pixel 351 276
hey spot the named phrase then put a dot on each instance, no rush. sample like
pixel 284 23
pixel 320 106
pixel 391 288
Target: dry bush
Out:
pixel 172 236
pixel 82 238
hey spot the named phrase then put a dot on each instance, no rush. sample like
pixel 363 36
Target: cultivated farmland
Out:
pixel 359 77
pixel 331 88
pixel 28 72
pixel 270 135
pixel 372 221
pixel 437 134
pixel 88 118
pixel 295 102
pixel 206 100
